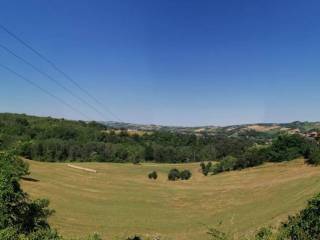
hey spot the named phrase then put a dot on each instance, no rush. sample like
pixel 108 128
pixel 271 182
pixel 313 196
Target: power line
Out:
pixel 43 90
pixel 51 79
pixel 54 66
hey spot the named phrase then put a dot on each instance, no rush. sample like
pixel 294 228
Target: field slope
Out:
pixel 119 200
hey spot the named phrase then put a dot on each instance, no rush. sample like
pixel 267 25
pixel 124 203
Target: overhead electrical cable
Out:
pixel 55 67
pixel 44 90
pixel 51 79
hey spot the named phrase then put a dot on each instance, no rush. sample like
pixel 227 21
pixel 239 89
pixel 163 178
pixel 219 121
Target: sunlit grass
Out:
pixel 120 200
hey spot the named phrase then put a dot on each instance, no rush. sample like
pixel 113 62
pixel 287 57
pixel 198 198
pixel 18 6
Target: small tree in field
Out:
pixel 185 175
pixel 153 175
pixel 174 175
pixel 205 168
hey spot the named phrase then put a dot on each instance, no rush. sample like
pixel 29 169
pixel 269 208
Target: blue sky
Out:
pixel 168 62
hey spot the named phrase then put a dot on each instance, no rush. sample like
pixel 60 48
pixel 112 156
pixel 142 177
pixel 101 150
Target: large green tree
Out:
pixel 17 210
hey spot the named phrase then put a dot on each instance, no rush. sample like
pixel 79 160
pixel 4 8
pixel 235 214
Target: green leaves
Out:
pixel 13 166
pixel 16 209
pixel 305 225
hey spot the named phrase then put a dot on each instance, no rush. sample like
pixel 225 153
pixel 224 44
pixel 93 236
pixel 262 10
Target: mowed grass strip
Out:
pixel 119 200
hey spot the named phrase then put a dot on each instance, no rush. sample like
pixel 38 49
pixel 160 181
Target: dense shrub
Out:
pixel 264 234
pixel 226 164
pixel 206 168
pixel 174 174
pixel 44 234
pixel 185 175
pixel 252 157
pixel 314 157
pixel 287 147
pixel 17 211
pixel 153 175
pixel 9 234
pixel 306 224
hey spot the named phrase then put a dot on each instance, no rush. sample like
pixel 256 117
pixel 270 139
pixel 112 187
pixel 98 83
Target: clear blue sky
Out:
pixel 169 62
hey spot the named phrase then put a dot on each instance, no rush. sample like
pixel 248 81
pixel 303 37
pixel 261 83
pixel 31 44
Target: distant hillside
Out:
pixel 154 127
pixel 304 128
pixel 59 140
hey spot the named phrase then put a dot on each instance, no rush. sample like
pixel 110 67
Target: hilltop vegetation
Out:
pixel 48 139
pixel 259 130
pixel 283 148
pixel 59 140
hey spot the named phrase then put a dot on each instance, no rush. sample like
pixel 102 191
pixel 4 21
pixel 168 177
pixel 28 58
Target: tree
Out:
pixel 287 147
pixel 174 175
pixel 148 153
pixel 16 209
pixel 153 175
pixel 206 168
pixel 10 164
pixel 185 175
pixel 314 157
pixel 226 164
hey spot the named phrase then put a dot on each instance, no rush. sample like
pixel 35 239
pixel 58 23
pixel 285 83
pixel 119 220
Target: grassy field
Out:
pixel 119 200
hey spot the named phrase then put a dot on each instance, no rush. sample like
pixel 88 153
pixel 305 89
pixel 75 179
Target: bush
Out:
pixel 206 168
pixel 252 157
pixel 288 147
pixel 174 175
pixel 226 164
pixel 314 157
pixel 9 234
pixel 264 234
pixel 44 234
pixel 16 209
pixel 185 175
pixel 153 175
pixel 306 224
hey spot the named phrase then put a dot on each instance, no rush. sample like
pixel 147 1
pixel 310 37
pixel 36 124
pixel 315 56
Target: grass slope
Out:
pixel 120 200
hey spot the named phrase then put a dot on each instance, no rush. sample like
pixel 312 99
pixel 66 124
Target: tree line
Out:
pixel 284 148
pixel 58 140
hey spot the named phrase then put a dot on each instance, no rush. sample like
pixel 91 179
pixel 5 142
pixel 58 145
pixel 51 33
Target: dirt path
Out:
pixel 82 168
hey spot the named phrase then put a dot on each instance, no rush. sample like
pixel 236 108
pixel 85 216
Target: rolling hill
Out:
pixel 119 200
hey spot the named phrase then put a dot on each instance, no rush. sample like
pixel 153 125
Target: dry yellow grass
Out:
pixel 262 128
pixel 119 200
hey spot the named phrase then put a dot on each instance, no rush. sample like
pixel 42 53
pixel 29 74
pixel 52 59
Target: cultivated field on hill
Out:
pixel 119 200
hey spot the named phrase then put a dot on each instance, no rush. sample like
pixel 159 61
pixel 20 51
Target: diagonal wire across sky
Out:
pixel 60 71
